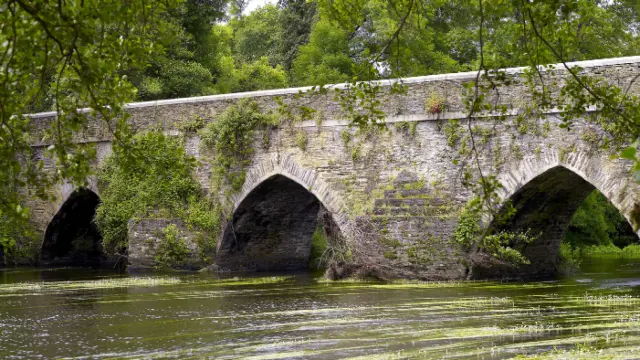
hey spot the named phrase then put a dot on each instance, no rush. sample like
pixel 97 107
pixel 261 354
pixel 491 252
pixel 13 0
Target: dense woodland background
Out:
pixel 214 47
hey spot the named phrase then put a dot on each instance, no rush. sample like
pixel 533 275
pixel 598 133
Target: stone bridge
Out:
pixel 396 196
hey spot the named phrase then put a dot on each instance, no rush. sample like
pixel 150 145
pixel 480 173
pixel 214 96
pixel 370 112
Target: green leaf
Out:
pixel 628 153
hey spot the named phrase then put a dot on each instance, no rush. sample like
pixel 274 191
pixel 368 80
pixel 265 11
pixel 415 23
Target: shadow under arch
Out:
pixel 272 228
pixel 544 206
pixel 72 237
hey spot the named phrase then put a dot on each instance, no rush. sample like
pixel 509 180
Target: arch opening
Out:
pixel 72 237
pixel 271 229
pixel 545 207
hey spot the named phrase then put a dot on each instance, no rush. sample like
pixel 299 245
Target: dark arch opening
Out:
pixel 72 237
pixel 545 206
pixel 272 228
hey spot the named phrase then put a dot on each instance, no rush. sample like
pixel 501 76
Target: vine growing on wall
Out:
pixel 230 139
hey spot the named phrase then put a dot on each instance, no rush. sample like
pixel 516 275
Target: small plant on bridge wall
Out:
pixel 434 104
pixel 407 127
pixel 230 139
pixel 172 251
pixel 452 131
pixel 192 124
pixel 302 140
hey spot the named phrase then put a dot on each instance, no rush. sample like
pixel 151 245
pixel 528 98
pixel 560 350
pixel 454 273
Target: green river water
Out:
pixel 80 313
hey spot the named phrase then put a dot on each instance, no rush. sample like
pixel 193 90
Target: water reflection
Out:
pixel 73 313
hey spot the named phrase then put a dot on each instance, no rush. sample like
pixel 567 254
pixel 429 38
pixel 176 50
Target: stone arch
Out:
pixel 274 217
pixel 285 165
pixel 547 191
pixel 71 237
pixel 63 191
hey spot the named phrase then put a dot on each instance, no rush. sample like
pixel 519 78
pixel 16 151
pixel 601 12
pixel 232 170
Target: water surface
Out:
pixel 81 313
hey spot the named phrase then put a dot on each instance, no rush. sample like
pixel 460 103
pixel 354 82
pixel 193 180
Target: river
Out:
pixel 80 313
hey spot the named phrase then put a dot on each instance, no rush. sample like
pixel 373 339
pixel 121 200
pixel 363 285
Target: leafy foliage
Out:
pixel 324 60
pixel 502 245
pixel 318 247
pixel 252 76
pixel 569 258
pixel 598 222
pixel 230 138
pixel 610 252
pixel 172 251
pixel 159 184
pixel 64 56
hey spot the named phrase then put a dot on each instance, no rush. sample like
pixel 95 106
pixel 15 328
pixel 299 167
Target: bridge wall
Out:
pixel 397 195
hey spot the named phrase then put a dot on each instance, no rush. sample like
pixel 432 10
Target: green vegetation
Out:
pixel 325 59
pixel 570 258
pixel 501 245
pixel 302 140
pixel 611 252
pixel 407 127
pixel 230 138
pixel 158 183
pixel 172 250
pixel 452 131
pixel 598 222
pixel 318 248
pixel 597 231
pixel 435 104
pixel 18 239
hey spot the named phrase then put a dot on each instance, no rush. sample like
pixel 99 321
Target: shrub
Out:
pixel 172 250
pixel 569 259
pixel 506 246
pixel 434 104
pixel 503 245
pixel 153 180
pixel 611 251
pixel 318 247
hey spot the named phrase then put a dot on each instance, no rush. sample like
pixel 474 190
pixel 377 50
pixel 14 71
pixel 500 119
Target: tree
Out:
pixel 259 34
pixel 184 68
pixel 66 55
pixel 257 75
pixel 297 18
pixel 325 59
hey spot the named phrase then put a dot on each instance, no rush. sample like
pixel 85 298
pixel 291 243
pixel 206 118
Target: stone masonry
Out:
pixel 396 195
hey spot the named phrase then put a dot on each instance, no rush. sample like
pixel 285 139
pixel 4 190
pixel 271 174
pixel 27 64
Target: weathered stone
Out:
pixel 145 236
pixel 404 191
pixel 272 228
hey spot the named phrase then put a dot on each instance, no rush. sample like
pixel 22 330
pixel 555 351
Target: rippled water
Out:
pixel 79 313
